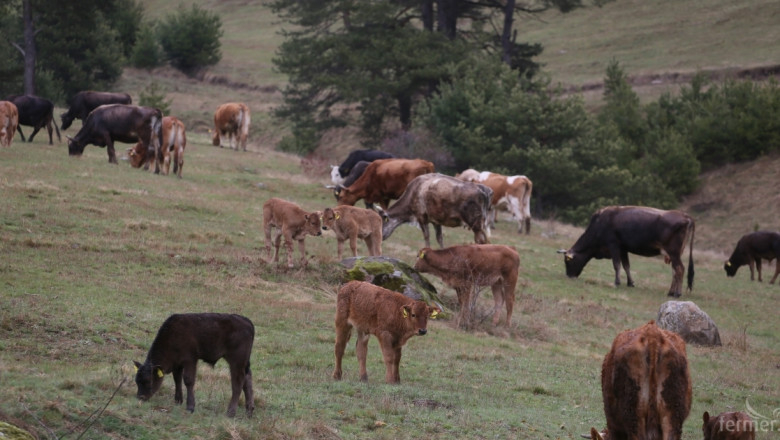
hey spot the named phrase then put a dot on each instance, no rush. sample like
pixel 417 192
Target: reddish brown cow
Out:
pixel 468 268
pixel 293 223
pixel 511 192
pixel 232 120
pixel 351 223
pixel 728 426
pixel 384 180
pixel 174 140
pixel 646 385
pixel 390 316
pixel 751 248
pixel 9 121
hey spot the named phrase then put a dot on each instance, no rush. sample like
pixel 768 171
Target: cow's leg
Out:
pixel 752 266
pixel 288 246
pixel 267 229
pixel 36 129
pixel 110 150
pixel 777 271
pixel 237 378
pixel 340 247
pixel 395 373
pixel 177 395
pixel 616 266
pixel 353 244
pixel 19 129
pixel 627 268
pixel 426 232
pixel 188 374
pixel 678 272
pixel 464 300
pixel 277 245
pixel 391 356
pixel 302 250
pixel 758 269
pixel 249 395
pixel 439 238
pixel 361 350
pixel 179 162
pixel 343 333
pixel 498 301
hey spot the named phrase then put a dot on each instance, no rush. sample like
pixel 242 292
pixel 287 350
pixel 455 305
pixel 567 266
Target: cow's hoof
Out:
pixel 675 294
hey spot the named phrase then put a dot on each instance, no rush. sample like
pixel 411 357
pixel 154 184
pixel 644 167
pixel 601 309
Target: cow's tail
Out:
pixel 157 140
pixel 243 124
pixel 690 257
pixel 53 122
pixel 527 205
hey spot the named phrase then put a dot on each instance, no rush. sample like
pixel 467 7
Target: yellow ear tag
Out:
pixel 422 255
pixel 568 258
pixel 405 313
pixel 434 314
pixel 728 263
pixel 160 372
pixel 338 216
pixel 136 368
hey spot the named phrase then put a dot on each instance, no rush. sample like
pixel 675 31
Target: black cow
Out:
pixel 186 338
pixel 751 248
pixel 616 231
pixel 80 106
pixel 118 122
pixel 35 112
pixel 340 173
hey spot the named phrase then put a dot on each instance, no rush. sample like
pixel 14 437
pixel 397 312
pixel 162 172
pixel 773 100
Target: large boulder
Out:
pixel 394 275
pixel 689 321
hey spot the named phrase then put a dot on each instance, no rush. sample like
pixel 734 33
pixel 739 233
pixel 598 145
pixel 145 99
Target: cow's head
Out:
pixel 75 146
pixel 337 191
pixel 575 262
pixel 215 138
pixel 730 268
pixel 417 312
pixel 313 223
pixel 149 378
pixel 137 155
pixel 421 264
pixel 329 217
pixel 335 175
pixel 67 119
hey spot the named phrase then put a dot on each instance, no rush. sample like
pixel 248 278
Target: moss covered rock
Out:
pixel 11 432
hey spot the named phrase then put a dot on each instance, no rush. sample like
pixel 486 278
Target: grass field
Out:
pixel 93 257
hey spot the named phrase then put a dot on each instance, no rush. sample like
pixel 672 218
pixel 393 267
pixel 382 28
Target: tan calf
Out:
pixel 174 140
pixel 728 426
pixel 468 269
pixel 390 316
pixel 351 223
pixel 9 121
pixel 231 119
pixel 293 223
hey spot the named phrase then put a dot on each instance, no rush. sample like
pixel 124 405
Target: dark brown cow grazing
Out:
pixel 174 141
pixel 390 316
pixel 616 231
pixel 443 201
pixel 728 426
pixel 82 104
pixel 183 340
pixel 117 122
pixel 293 223
pixel 751 248
pixel 471 267
pixel 9 120
pixel 231 119
pixel 646 385
pixel 35 112
pixel 351 223
pixel 384 180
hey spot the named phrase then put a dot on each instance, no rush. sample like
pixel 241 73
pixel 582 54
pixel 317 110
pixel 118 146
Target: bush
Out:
pixel 146 53
pixel 190 39
pixel 154 96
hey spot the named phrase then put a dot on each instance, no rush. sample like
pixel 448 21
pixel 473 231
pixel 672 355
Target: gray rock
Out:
pixel 689 321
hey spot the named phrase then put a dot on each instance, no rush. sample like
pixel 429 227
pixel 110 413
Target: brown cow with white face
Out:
pixel 231 120
pixel 468 269
pixel 174 141
pixel 646 385
pixel 351 223
pixel 728 426
pixel 383 180
pixel 510 192
pixel 293 223
pixel 9 121
pixel 390 316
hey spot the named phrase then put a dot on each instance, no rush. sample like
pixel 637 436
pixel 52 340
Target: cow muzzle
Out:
pixel 422 331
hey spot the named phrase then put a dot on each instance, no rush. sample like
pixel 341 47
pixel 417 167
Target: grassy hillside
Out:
pixel 95 256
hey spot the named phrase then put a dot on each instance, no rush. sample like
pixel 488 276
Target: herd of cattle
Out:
pixel 646 385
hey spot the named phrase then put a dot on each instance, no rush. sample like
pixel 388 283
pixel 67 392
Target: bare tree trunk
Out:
pixel 506 42
pixel 29 49
pixel 427 15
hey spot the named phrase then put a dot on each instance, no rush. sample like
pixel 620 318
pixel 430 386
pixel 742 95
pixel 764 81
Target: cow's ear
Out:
pixel 158 372
pixel 137 365
pixel 728 263
pixel 337 214
pixel 706 417
pixel 421 255
pixel 405 309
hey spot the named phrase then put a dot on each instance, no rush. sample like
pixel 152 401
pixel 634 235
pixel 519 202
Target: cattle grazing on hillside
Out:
pixel 728 426
pixel 82 104
pixel 468 269
pixel 118 122
pixel 174 141
pixel 751 248
pixel 384 180
pixel 390 316
pixel 646 385
pixel 616 231
pixel 443 201
pixel 9 120
pixel 339 173
pixel 353 176
pixel 351 223
pixel 510 192
pixel 183 339
pixel 35 112
pixel 293 223
pixel 231 120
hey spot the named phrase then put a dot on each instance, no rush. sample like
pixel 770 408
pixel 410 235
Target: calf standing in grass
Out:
pixel 750 249
pixel 293 223
pixel 728 426
pixel 390 316
pixel 184 339
pixel 349 222
pixel 469 268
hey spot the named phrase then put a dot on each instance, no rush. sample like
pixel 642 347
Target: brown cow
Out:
pixel 174 140
pixel 349 222
pixel 384 180
pixel 232 120
pixel 468 268
pixel 751 248
pixel 511 192
pixel 9 121
pixel 293 223
pixel 390 316
pixel 728 426
pixel 646 385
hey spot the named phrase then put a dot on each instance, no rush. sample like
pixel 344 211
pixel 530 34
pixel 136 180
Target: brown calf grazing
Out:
pixel 174 140
pixel 390 316
pixel 728 426
pixel 293 223
pixel 351 223
pixel 751 248
pixel 9 121
pixel 646 385
pixel 183 339
pixel 468 268
pixel 231 119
